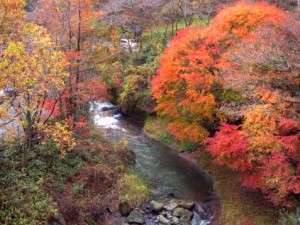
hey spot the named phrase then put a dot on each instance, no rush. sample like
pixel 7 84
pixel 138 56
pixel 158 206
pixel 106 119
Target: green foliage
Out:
pixel 292 218
pixel 22 195
pixel 135 95
pixel 147 55
pixel 24 178
pixel 230 95
pixel 164 32
pixel 187 146
pixel 134 189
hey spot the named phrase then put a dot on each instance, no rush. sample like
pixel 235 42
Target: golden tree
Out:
pixel 32 71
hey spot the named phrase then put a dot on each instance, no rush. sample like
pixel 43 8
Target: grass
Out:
pixel 238 206
pixel 134 189
pixel 23 199
pixel 161 29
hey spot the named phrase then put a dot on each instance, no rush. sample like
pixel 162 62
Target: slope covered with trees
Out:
pixel 240 72
pixel 54 169
pixel 214 76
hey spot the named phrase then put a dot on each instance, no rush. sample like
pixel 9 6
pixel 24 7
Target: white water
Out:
pixel 105 119
pixel 164 170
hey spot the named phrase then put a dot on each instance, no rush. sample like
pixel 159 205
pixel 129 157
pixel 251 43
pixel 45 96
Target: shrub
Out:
pixel 134 190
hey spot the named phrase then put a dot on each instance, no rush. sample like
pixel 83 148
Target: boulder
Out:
pixel 183 214
pixel 187 205
pixel 170 206
pixel 156 206
pixel 163 220
pixel 129 157
pixel 136 217
pixel 174 220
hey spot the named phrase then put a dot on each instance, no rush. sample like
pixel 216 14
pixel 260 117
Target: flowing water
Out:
pixel 166 172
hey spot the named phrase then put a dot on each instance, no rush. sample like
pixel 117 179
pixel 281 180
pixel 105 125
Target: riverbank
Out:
pixel 238 206
pixel 84 186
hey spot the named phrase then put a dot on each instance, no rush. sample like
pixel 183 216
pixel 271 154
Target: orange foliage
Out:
pixel 250 48
pixel 91 90
pixel 189 67
pixel 65 20
pixel 182 86
pixel 265 150
pixel 241 19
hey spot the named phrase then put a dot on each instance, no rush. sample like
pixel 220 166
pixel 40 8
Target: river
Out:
pixel 167 173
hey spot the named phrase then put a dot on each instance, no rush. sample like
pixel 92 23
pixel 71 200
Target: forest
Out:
pixel 149 112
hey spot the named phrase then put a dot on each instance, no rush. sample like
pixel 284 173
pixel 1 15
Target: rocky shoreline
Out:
pixel 165 212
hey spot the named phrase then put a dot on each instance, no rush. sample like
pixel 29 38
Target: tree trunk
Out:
pixel 76 97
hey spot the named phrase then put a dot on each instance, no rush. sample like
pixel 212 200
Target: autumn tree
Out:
pixel 265 151
pixel 191 64
pixel 244 63
pixel 11 18
pixel 263 68
pixel 72 25
pixel 34 72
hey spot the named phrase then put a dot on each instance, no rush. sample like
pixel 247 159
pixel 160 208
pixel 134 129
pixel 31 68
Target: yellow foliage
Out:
pixel 133 189
pixel 34 71
pixel 11 17
pixel 61 134
pixel 261 120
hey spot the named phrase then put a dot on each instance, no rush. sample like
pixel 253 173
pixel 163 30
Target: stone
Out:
pixel 170 206
pixel 164 212
pixel 199 209
pixel 136 216
pixel 183 214
pixel 180 212
pixel 150 222
pixel 174 220
pixel 124 208
pixel 163 220
pixel 187 205
pixel 169 216
pixel 156 206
